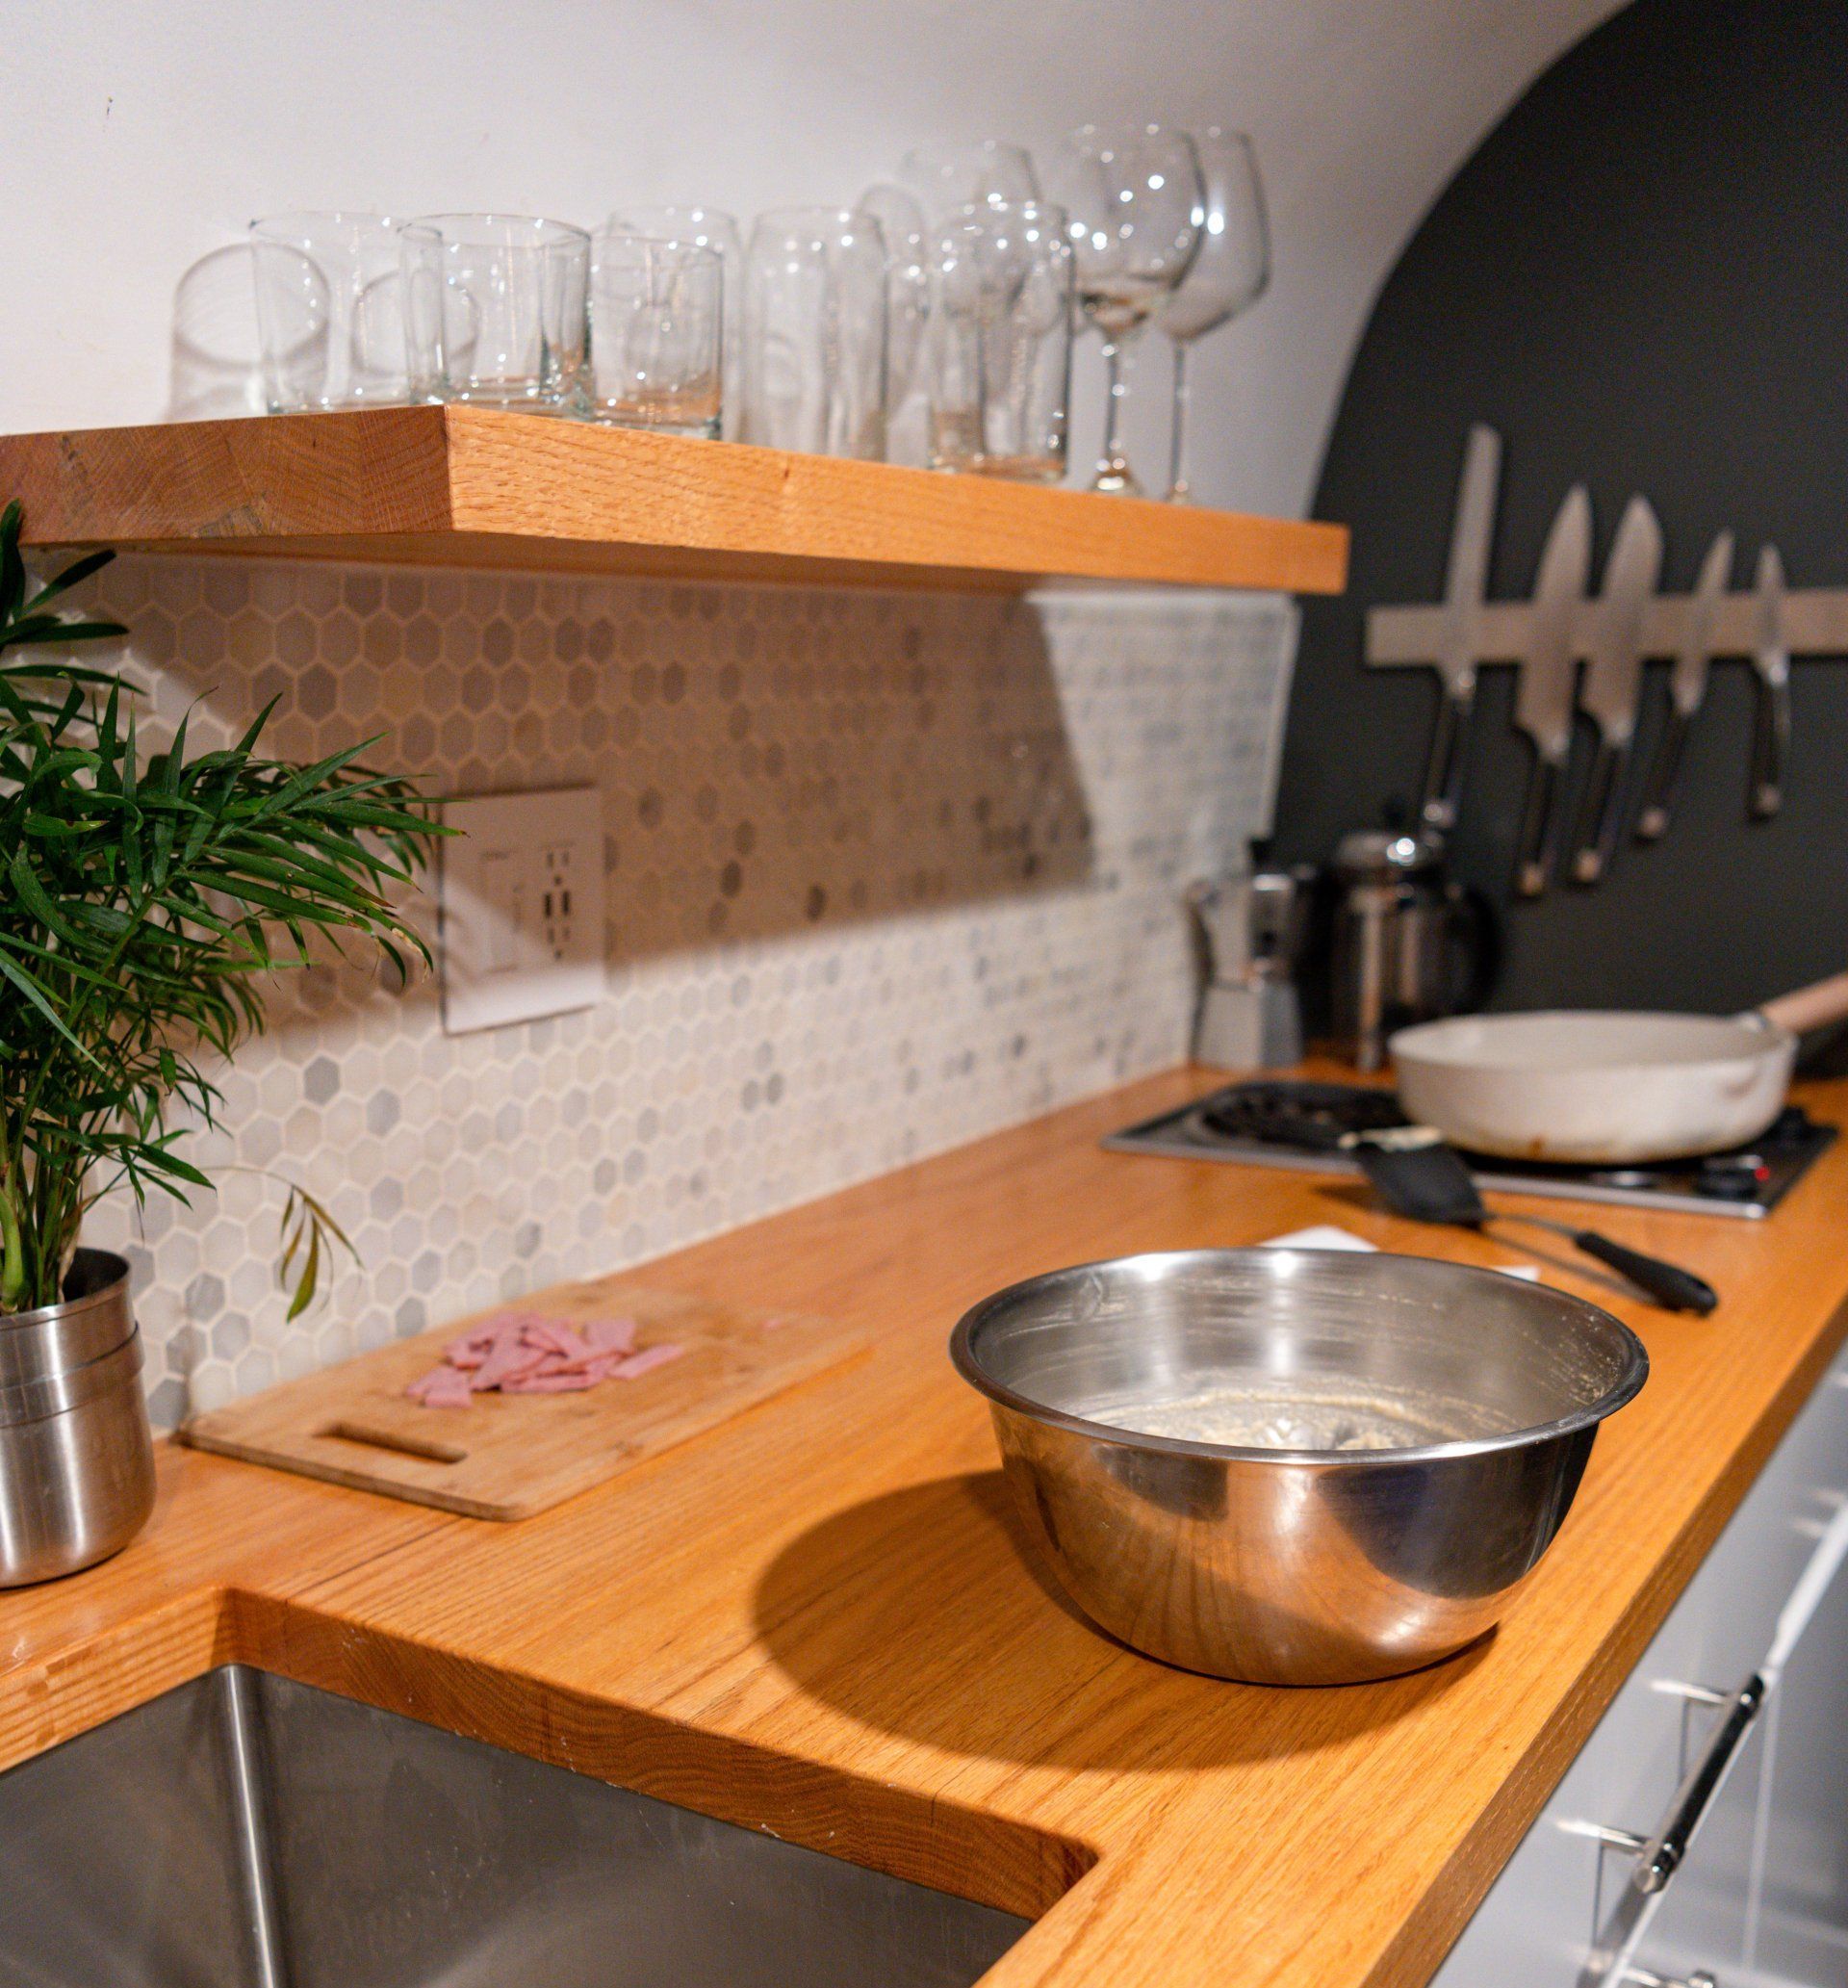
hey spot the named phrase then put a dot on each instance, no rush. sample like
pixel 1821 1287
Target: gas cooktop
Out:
pixel 1290 1123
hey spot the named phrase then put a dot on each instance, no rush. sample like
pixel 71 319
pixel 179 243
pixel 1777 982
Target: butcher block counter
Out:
pixel 821 1620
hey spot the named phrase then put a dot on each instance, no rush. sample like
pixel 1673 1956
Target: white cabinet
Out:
pixel 1761 1897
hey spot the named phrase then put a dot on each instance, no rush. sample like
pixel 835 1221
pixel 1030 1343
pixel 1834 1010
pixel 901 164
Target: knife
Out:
pixel 1686 685
pixel 1771 658
pixel 1613 679
pixel 1463 589
pixel 1544 697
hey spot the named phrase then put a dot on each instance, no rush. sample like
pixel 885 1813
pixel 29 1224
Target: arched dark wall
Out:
pixel 1641 279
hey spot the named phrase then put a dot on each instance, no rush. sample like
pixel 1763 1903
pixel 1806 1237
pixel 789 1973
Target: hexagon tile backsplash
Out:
pixel 886 871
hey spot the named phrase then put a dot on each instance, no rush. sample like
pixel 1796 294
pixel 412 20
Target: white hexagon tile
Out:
pixel 886 871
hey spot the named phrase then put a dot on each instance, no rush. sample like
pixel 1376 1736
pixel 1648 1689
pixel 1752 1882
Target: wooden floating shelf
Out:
pixel 467 486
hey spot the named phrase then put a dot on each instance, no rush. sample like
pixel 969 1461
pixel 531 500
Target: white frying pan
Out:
pixel 1592 1087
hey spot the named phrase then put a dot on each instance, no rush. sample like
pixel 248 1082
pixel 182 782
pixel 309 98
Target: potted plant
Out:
pixel 147 895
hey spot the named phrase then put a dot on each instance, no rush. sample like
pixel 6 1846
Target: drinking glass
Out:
pixel 814 332
pixel 907 304
pixel 1228 272
pixel 657 314
pixel 1133 195
pixel 945 179
pixel 497 307
pixel 1000 341
pixel 704 227
pixel 330 311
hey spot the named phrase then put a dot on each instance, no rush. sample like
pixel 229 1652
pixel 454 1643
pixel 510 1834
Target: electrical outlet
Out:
pixel 522 905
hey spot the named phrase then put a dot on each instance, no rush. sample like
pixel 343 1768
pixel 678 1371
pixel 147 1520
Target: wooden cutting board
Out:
pixel 509 1456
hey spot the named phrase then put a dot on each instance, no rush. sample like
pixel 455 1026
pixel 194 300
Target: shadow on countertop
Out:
pixel 927 1612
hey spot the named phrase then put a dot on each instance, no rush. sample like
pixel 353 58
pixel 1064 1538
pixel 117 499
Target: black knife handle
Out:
pixel 1603 814
pixel 1672 1287
pixel 1533 862
pixel 1770 743
pixel 1443 774
pixel 1652 819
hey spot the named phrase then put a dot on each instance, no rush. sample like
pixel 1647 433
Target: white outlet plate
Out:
pixel 522 899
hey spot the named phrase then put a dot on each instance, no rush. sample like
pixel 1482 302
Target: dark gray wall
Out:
pixel 1641 279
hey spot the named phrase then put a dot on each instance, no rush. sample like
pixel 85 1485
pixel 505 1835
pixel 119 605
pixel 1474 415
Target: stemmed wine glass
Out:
pixel 1133 195
pixel 1228 276
pixel 944 179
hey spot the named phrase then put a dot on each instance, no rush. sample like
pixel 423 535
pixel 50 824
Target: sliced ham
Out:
pixel 441 1387
pixel 528 1353
pixel 610 1334
pixel 509 1355
pixel 548 1383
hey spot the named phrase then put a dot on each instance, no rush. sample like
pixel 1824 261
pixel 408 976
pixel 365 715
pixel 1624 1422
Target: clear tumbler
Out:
pixel 814 332
pixel 702 227
pixel 497 307
pixel 656 319
pixel 330 311
pixel 999 341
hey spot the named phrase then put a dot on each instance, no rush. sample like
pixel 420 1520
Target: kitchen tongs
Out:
pixel 1417 1176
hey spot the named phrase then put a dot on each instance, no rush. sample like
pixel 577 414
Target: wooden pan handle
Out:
pixel 1809 1007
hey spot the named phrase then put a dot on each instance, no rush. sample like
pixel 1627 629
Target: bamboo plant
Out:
pixel 147 895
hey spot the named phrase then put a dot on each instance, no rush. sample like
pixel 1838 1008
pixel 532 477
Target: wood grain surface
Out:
pixel 464 484
pixel 823 1618
pixel 506 1457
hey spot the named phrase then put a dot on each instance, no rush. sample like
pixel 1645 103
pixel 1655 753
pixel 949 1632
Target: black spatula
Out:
pixel 1416 1175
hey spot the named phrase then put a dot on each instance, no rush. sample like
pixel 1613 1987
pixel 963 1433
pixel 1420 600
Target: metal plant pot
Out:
pixel 76 1458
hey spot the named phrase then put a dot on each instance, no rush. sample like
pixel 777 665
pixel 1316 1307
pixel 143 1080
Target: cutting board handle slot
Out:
pixel 389 1439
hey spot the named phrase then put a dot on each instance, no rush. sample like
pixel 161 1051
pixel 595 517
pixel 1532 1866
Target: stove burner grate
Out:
pixel 1313 1117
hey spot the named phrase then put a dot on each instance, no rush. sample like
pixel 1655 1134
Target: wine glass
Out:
pixel 1228 273
pixel 944 179
pixel 1134 198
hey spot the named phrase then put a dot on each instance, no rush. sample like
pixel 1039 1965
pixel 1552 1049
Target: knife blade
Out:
pixel 1548 681
pixel 1686 685
pixel 1771 658
pixel 1464 586
pixel 1613 679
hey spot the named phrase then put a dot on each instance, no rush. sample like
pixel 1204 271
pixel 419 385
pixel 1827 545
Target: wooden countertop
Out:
pixel 821 1620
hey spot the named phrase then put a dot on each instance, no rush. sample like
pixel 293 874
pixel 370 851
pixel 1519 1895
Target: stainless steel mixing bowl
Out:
pixel 1307 1565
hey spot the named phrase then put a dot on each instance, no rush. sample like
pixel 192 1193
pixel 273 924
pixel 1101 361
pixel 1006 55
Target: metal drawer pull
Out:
pixel 1660 1857
pixel 1644 1978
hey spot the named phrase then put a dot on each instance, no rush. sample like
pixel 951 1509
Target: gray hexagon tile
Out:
pixel 886 871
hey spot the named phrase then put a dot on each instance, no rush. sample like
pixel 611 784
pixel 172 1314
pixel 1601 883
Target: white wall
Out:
pixel 137 136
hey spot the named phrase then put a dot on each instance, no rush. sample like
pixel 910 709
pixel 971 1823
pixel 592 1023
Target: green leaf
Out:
pixel 310 1274
pixel 78 570
pixel 36 994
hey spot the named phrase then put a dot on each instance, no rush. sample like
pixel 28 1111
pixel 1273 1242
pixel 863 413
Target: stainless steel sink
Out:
pixel 247 1832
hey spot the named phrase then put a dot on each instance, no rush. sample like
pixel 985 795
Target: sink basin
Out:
pixel 245 1831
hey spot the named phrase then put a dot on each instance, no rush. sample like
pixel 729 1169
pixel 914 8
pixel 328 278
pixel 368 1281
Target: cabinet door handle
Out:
pixel 1657 1859
pixel 1660 1857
